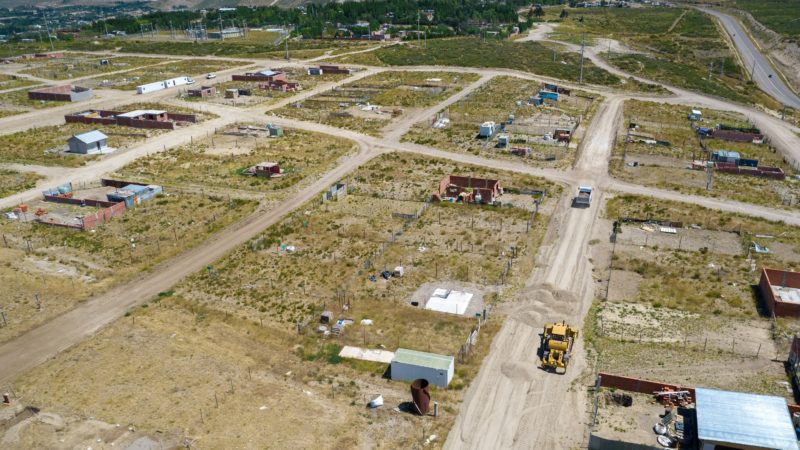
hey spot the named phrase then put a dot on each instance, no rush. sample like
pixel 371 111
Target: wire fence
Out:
pixel 627 332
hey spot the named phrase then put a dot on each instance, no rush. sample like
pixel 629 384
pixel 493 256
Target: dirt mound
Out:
pixel 518 371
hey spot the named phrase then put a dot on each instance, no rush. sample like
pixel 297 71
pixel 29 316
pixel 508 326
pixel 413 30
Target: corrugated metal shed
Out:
pixel 91 137
pixel 743 419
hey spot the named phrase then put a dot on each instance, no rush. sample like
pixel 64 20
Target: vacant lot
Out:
pixel 217 163
pixel 13 82
pixel 528 56
pixel 186 67
pixel 75 65
pixel 12 181
pixel 232 331
pixel 63 266
pixel 660 149
pixel 498 101
pixel 17 102
pixel 370 104
pixel 690 295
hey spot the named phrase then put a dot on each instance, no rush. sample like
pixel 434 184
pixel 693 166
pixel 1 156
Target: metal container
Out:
pixel 420 396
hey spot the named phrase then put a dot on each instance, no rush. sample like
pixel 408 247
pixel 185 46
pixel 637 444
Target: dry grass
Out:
pixel 495 101
pixel 263 96
pixel 19 99
pixel 46 145
pixel 394 92
pixel 93 261
pixel 75 65
pixel 12 181
pixel 232 333
pixel 217 163
pixel 13 82
pixel 666 166
pixel 186 67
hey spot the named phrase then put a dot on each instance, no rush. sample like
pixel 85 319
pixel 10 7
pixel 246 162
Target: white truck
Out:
pixel 584 197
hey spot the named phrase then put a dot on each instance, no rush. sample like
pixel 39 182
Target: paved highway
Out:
pixel 772 85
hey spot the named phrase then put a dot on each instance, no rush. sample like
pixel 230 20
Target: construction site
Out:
pixel 371 104
pixel 537 123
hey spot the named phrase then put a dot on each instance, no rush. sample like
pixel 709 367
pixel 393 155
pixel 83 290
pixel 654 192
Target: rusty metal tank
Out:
pixel 420 396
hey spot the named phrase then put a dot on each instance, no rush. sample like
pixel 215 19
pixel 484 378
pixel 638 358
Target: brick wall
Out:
pixel 72 118
pixel 118 183
pixel 637 384
pixel 182 117
pixel 771 277
pixel 78 201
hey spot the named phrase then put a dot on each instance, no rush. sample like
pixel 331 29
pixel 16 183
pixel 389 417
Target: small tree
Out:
pixel 538 11
pixel 563 14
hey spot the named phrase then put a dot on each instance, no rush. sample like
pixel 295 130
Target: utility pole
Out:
pixel 753 70
pixel 286 43
pixel 418 38
pixel 710 68
pixel 783 113
pixel 47 28
pixel 583 45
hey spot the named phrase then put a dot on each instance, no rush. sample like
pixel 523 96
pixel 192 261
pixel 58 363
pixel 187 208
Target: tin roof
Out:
pixel 423 359
pixel 90 137
pixel 744 419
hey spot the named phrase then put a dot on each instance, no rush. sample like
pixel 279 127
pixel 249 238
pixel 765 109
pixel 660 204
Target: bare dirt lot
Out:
pixel 688 296
pixel 53 268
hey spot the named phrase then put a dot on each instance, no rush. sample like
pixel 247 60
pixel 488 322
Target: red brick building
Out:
pixel 468 189
pixel 780 290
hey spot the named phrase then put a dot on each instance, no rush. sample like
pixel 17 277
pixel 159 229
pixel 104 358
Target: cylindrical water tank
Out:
pixel 420 395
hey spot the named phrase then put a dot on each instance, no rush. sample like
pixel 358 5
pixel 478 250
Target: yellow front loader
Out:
pixel 557 342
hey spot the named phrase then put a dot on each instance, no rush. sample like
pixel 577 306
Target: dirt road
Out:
pixel 39 344
pixel 512 403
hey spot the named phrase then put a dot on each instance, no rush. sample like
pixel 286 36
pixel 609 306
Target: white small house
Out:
pixel 89 143
pixel 696 114
pixel 408 365
pixel 487 129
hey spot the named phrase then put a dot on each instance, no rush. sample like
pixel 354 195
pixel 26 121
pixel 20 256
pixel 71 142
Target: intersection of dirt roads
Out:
pixel 523 408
